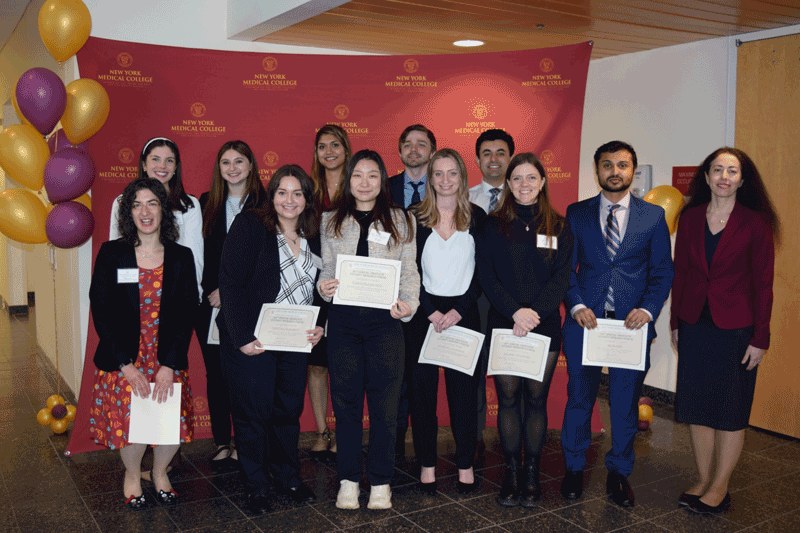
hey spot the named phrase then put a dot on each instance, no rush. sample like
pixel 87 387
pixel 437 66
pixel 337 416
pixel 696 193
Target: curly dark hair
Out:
pixel 127 229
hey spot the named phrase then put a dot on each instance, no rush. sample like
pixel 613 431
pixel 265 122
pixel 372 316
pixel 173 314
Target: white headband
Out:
pixel 157 139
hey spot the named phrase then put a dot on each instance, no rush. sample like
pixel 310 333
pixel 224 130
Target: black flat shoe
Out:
pixel 700 507
pixel 619 489
pixel 572 484
pixel 300 494
pixel 685 499
pixel 323 455
pixel 466 488
pixel 167 497
pixel 427 488
pixel 135 502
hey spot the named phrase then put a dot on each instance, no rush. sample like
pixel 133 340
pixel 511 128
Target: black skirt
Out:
pixel 714 388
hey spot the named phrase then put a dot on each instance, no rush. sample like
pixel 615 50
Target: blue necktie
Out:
pixel 415 199
pixel 493 200
pixel 612 245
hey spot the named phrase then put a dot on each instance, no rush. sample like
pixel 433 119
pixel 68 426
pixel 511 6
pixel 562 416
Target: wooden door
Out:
pixel 768 130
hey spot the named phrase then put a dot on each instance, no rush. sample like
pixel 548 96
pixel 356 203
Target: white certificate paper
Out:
pixel 283 327
pixel 456 347
pixel 367 281
pixel 612 344
pixel 525 357
pixel 213 330
pixel 156 423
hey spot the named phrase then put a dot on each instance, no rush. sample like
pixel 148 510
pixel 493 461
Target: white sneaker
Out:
pixel 380 497
pixel 348 495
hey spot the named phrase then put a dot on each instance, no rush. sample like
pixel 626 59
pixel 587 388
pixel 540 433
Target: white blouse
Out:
pixel 448 265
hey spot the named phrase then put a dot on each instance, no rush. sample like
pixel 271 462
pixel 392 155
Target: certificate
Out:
pixel 367 281
pixel 283 328
pixel 525 357
pixel 456 347
pixel 156 423
pixel 213 330
pixel 612 344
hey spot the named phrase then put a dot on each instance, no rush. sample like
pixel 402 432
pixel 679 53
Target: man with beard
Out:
pixel 622 269
pixel 417 144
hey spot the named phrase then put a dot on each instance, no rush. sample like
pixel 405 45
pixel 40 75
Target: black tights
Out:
pixel 510 393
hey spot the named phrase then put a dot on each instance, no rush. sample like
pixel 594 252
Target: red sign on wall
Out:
pixel 681 177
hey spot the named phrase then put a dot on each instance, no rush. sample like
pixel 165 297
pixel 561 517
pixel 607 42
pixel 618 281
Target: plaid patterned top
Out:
pixel 297 274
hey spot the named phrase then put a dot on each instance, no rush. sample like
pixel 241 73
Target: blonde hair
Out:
pixel 426 211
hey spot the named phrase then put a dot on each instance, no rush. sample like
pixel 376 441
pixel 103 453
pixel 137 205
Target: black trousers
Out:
pixel 266 402
pixel 365 355
pixel 219 405
pixel 461 391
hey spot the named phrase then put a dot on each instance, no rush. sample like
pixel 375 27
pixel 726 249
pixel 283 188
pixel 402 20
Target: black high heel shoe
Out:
pixel 327 437
pixel 509 491
pixel 531 490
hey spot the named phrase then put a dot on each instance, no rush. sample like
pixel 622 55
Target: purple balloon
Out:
pixel 58 141
pixel 42 98
pixel 68 174
pixel 69 225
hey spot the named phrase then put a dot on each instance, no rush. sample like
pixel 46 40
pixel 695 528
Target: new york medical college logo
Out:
pixel 269 63
pixel 197 109
pixel 341 112
pixel 124 59
pixel 126 156
pixel 546 65
pixel 270 159
pixel 411 65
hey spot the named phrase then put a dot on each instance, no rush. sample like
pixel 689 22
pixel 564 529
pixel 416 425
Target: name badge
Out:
pixel 543 241
pixel 127 275
pixel 316 261
pixel 381 237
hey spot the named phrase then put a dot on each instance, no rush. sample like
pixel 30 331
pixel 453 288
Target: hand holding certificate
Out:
pixel 367 281
pixel 284 328
pixel 525 357
pixel 156 423
pixel 456 347
pixel 612 344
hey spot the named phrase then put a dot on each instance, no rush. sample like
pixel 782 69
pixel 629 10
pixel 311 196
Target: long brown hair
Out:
pixel 318 171
pixel 548 221
pixel 177 199
pixel 308 221
pixel 752 194
pixel 345 204
pixel 218 194
pixel 427 213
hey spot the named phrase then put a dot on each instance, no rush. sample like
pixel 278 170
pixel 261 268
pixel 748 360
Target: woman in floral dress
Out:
pixel 143 296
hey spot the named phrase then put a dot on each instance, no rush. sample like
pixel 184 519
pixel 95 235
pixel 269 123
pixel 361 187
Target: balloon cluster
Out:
pixel 57 415
pixel 60 164
pixel 645 413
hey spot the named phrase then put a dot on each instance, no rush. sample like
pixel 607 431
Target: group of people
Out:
pixel 499 249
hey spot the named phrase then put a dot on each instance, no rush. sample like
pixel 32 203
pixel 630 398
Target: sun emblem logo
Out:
pixel 269 63
pixel 126 156
pixel 124 59
pixel 270 159
pixel 341 111
pixel 197 109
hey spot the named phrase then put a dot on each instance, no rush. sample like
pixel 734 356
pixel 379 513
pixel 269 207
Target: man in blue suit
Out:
pixel 622 269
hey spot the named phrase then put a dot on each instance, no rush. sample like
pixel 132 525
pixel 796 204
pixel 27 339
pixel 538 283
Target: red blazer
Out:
pixel 738 284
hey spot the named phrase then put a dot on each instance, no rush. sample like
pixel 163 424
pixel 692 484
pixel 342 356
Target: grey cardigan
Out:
pixel 346 243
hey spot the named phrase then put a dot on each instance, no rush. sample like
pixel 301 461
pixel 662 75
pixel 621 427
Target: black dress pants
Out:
pixel 267 392
pixel 219 406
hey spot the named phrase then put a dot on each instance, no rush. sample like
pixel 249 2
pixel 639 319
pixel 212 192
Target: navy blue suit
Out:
pixel 641 274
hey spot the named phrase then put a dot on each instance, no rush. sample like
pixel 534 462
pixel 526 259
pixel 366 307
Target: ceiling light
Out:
pixel 468 43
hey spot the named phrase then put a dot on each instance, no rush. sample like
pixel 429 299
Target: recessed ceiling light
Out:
pixel 468 43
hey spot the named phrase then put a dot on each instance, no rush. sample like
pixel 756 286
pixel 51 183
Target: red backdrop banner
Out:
pixel 277 102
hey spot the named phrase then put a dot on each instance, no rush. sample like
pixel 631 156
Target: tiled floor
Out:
pixel 44 491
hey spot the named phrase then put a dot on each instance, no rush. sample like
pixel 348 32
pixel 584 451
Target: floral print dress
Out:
pixel 111 398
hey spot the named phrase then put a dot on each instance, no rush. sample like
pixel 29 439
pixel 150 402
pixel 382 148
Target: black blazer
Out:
pixel 469 298
pixel 212 246
pixel 396 188
pixel 115 307
pixel 249 277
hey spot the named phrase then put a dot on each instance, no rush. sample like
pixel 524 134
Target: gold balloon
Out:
pixel 16 108
pixel 59 425
pixel 87 110
pixel 22 218
pixel 54 400
pixel 64 26
pixel 71 411
pixel 23 155
pixel 671 200
pixel 44 416
pixel 84 199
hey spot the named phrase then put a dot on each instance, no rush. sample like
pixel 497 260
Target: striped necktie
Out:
pixel 612 245
pixel 493 200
